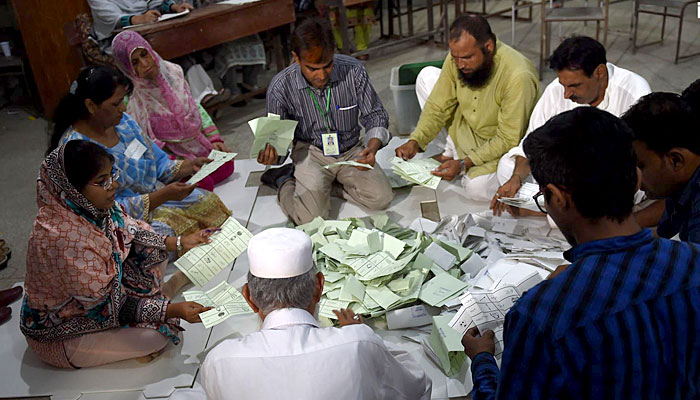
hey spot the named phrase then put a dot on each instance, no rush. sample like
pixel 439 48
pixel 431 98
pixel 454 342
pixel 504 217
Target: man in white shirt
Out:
pixel 291 357
pixel 584 77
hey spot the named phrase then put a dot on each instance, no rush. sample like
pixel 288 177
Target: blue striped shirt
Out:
pixel 353 102
pixel 622 322
pixel 682 213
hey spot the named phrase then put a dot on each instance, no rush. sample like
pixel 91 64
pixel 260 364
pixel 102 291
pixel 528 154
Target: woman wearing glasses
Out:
pixel 149 182
pixel 94 292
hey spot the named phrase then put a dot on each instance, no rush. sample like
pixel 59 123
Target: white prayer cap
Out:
pixel 280 253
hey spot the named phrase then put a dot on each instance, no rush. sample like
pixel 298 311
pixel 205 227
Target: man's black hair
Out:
pixel 663 121
pixel 475 25
pixel 578 53
pixel 311 33
pixel 587 153
pixel 691 95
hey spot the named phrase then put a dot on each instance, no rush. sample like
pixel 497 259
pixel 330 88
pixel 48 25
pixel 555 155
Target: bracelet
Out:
pixel 179 244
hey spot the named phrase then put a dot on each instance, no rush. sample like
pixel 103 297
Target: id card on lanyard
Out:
pixel 329 140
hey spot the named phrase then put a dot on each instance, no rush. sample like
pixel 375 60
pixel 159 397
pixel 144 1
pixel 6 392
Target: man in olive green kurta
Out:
pixel 484 96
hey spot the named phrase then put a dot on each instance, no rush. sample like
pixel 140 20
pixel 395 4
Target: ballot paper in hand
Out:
pixel 219 314
pixel 350 163
pixel 279 133
pixel 205 261
pixel 417 171
pixel 218 158
pixel 165 17
pixel 524 197
pixel 224 298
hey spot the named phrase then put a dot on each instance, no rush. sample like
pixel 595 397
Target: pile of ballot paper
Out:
pixel 417 171
pixel 372 270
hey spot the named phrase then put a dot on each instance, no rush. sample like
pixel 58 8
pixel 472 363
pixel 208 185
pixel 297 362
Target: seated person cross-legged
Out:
pixel 667 145
pixel 149 187
pixel 162 105
pixel 94 284
pixel 483 95
pixel 330 95
pixel 584 78
pixel 622 321
pixel 291 356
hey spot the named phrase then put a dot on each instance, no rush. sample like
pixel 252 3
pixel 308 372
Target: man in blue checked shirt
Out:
pixel 333 99
pixel 667 144
pixel 623 320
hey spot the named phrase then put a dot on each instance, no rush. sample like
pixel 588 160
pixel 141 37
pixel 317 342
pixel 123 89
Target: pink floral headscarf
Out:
pixel 164 107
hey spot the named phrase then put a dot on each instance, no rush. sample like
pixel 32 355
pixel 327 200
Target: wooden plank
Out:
pixel 215 24
pixel 54 63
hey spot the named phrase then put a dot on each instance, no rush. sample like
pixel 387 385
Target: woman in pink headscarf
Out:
pixel 163 106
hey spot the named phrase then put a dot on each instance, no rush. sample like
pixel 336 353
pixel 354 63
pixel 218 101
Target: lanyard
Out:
pixel 325 115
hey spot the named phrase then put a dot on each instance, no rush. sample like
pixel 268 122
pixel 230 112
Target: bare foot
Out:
pixel 173 286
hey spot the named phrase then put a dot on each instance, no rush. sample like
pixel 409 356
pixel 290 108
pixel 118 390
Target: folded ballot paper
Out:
pixel 225 300
pixel 417 171
pixel 205 261
pixel 218 158
pixel 271 129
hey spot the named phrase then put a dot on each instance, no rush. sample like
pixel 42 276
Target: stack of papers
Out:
pixel 226 301
pixel 417 171
pixel 218 158
pixel 279 133
pixel 524 197
pixel 205 261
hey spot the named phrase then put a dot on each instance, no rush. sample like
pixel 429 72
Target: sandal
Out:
pixel 5 251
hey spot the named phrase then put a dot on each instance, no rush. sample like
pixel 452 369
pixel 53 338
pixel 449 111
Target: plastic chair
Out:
pixel 680 5
pixel 598 13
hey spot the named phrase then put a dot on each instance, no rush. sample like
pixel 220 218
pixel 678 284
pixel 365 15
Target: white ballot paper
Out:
pixel 203 262
pixel 408 317
pixel 271 129
pixel 524 198
pixel 487 309
pixel 218 158
pixel 224 298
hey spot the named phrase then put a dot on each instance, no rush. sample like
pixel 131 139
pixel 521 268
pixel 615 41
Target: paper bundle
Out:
pixel 417 171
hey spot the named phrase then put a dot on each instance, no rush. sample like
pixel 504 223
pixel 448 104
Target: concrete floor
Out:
pixel 23 139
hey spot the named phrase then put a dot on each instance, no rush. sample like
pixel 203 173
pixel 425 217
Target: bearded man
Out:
pixel 483 95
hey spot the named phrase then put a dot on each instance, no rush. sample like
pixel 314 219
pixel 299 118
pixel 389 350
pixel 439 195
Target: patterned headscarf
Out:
pixel 163 107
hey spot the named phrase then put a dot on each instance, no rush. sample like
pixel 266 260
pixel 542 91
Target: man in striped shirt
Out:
pixel 333 99
pixel 668 152
pixel 622 321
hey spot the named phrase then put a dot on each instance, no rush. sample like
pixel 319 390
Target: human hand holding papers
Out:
pixel 524 197
pixel 218 158
pixel 417 171
pixel 279 133
pixel 225 299
pixel 204 262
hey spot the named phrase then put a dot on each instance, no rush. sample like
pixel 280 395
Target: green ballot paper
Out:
pixel 271 129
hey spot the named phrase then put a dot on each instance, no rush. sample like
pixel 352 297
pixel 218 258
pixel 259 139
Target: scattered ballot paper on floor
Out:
pixel 271 129
pixel 205 261
pixel 218 158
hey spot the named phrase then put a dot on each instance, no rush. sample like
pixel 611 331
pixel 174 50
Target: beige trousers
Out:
pixel 309 194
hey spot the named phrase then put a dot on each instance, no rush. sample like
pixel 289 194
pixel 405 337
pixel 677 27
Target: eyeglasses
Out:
pixel 540 201
pixel 108 183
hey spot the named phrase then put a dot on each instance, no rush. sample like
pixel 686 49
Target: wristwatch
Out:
pixel 462 166
pixel 179 244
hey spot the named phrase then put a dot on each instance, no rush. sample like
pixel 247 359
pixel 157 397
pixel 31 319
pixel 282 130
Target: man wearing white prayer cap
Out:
pixel 291 357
